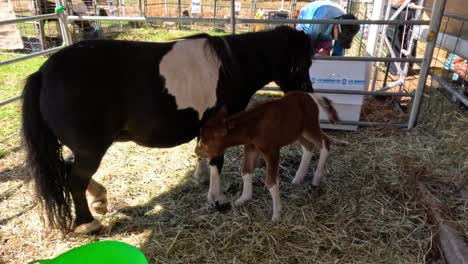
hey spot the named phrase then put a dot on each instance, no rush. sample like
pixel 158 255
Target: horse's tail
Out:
pixel 327 105
pixel 44 161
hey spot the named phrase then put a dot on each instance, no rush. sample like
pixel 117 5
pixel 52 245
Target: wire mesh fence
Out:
pixel 37 35
pixel 90 28
pixel 178 9
pixel 450 65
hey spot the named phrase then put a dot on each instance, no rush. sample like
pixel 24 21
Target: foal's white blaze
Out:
pixel 302 171
pixel 246 191
pixel 274 191
pixel 321 164
pixel 191 73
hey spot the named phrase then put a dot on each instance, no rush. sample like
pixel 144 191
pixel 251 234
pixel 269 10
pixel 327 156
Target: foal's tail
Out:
pixel 327 105
pixel 44 160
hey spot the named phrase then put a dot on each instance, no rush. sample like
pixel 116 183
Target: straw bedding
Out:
pixel 367 209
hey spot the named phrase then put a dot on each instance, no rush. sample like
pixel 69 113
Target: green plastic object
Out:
pixel 102 252
pixel 59 9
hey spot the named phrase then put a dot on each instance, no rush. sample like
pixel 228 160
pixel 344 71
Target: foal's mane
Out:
pixel 253 112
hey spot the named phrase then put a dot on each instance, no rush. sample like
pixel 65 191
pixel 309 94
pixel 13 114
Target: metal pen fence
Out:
pixel 449 71
pixel 66 19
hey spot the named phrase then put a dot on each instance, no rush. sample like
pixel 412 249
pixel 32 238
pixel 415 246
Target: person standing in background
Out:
pixel 333 38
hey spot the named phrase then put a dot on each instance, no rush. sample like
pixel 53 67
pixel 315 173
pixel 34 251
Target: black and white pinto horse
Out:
pixel 97 92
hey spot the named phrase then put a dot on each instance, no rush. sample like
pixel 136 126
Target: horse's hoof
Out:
pixel 96 194
pixel 99 207
pixel 89 228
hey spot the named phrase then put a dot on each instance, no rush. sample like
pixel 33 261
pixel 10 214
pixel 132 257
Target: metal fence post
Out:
pixel 437 12
pixel 179 14
pixel 233 17
pixel 60 10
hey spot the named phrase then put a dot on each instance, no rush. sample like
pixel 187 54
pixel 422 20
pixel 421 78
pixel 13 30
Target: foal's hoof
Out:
pixel 242 200
pixel 99 207
pixel 239 202
pixel 89 228
pixel 221 203
pixel 296 181
pixel 315 183
pixel 275 218
pixel 222 207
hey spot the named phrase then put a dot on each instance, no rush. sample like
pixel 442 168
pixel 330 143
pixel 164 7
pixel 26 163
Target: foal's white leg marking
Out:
pixel 191 74
pixel 201 173
pixel 246 191
pixel 321 164
pixel 302 171
pixel 214 193
pixel 274 191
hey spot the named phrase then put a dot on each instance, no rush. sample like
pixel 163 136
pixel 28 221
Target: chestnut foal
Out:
pixel 266 128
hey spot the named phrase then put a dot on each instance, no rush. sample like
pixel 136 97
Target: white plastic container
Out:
pixel 342 75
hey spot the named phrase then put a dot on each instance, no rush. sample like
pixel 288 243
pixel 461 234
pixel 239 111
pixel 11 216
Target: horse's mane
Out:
pixel 200 35
pixel 219 46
